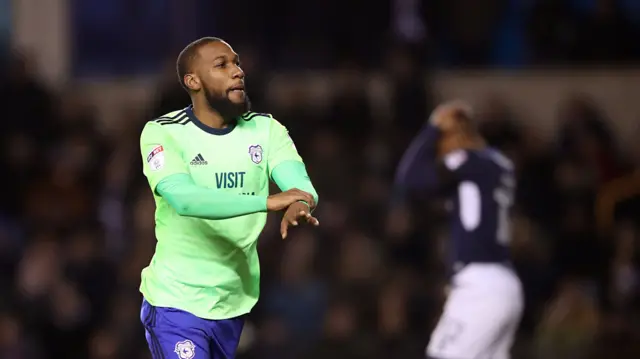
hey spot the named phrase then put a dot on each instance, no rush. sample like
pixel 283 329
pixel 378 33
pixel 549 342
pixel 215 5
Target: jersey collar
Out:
pixel 205 128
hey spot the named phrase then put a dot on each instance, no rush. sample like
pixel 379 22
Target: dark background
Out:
pixel 76 215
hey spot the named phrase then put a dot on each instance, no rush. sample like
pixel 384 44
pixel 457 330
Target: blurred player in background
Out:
pixel 485 301
pixel 209 167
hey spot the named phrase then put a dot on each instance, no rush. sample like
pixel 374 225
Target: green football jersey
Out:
pixel 210 268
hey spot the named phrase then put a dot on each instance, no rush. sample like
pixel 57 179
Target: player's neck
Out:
pixel 209 116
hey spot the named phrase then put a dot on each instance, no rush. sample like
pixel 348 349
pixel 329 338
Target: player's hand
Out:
pixel 296 213
pixel 445 116
pixel 282 200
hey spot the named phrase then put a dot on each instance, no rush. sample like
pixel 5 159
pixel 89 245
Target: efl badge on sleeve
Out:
pixel 256 153
pixel 155 159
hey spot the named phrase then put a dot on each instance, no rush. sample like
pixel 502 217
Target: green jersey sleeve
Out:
pixel 191 200
pixel 293 174
pixel 161 157
pixel 281 147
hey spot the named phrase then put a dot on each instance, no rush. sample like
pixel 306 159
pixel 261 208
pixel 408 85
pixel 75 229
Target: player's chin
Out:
pixel 237 97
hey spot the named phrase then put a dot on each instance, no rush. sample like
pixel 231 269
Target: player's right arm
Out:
pixel 420 170
pixel 417 170
pixel 169 177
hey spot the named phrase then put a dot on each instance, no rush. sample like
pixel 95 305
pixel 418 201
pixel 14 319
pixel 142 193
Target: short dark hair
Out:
pixel 188 54
pixel 465 118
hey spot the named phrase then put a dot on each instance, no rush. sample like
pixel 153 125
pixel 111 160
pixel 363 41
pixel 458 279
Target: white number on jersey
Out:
pixel 471 207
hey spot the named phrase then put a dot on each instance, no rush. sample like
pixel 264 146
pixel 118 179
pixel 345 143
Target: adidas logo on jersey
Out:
pixel 198 161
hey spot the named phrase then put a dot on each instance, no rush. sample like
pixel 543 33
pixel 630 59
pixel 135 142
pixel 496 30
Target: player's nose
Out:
pixel 238 73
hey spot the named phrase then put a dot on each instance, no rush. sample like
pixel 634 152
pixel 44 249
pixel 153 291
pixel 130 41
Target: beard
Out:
pixel 225 107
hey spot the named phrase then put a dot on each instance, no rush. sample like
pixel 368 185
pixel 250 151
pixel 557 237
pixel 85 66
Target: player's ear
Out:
pixel 192 82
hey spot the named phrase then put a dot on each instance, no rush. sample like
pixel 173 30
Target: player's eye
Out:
pixel 219 65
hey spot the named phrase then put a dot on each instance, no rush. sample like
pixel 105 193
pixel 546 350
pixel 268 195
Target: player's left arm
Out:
pixel 287 170
pixel 285 166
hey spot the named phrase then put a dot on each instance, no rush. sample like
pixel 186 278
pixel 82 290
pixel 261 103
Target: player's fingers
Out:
pixel 307 198
pixel 310 200
pixel 284 226
pixel 313 220
pixel 309 218
pixel 299 195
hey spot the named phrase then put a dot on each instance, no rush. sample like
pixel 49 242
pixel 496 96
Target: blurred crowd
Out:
pixel 127 37
pixel 76 215
pixel 77 228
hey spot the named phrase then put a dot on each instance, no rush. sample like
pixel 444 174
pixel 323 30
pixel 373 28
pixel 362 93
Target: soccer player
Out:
pixel 485 302
pixel 209 167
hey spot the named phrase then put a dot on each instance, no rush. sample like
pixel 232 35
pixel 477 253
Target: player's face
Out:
pixel 222 79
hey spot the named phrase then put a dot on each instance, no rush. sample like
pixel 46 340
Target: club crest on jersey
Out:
pixel 155 159
pixel 185 349
pixel 256 153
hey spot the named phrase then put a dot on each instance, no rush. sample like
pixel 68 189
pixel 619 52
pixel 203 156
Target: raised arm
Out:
pixel 418 170
pixel 421 170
